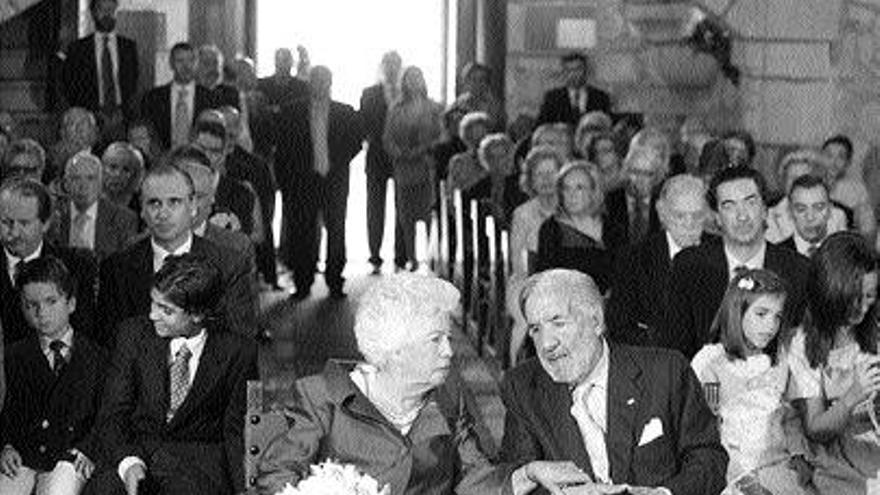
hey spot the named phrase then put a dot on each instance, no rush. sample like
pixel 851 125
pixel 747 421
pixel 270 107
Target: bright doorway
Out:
pixel 349 37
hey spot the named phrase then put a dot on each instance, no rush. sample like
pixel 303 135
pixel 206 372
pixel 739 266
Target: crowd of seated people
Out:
pixel 135 245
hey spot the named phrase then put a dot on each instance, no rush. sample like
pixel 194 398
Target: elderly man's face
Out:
pixel 683 217
pixel 283 61
pixel 25 166
pixel 117 173
pixel 82 180
pixel 741 211
pixel 643 173
pixel 544 177
pixel 21 230
pixel 810 210
pixel 568 343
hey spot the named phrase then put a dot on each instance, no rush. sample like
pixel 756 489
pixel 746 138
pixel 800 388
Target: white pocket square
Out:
pixel 651 431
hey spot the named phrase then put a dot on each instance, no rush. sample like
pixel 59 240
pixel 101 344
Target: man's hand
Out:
pixel 83 465
pixel 10 461
pixel 554 475
pixel 645 490
pixel 133 476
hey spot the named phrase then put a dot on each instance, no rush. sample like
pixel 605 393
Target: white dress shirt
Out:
pixel 87 236
pixel 99 58
pixel 196 345
pixel 12 261
pixel 756 262
pixel 160 253
pixel 803 246
pixel 589 408
pixel 190 103
pixel 674 248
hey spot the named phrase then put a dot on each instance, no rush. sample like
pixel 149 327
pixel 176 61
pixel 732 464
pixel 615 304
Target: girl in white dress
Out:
pixel 745 377
pixel 835 368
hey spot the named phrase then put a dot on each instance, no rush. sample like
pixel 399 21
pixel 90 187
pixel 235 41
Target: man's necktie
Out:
pixel 182 119
pixel 58 361
pixel 78 237
pixel 639 223
pixel 16 270
pixel 108 81
pixel 179 374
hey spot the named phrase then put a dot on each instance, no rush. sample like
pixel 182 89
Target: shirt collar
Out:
pixel 756 262
pixel 802 245
pixel 66 337
pixel 91 211
pixel 183 249
pixel 190 87
pixel 674 248
pixel 598 377
pixel 200 230
pixel 10 258
pixel 195 344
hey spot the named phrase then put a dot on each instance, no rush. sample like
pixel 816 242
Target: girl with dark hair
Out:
pixel 745 380
pixel 835 367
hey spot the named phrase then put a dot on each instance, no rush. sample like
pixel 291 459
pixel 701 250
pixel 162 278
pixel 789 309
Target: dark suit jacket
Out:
pixel 282 90
pixel 82 264
pixel 637 311
pixel 373 111
pixel 556 106
pixel 248 167
pixel 224 95
pixel 132 420
pixel 80 73
pixel 233 240
pixel 156 107
pixel 115 226
pixel 700 276
pixel 54 413
pixel 643 383
pixel 293 157
pixel 127 277
pixel 617 213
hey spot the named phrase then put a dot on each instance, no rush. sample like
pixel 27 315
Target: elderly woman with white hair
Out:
pixel 395 416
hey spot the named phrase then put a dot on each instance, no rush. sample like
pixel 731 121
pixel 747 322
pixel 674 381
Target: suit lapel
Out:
pixel 623 402
pixel 209 369
pixel 102 231
pixel 659 268
pixel 155 369
pixel 554 402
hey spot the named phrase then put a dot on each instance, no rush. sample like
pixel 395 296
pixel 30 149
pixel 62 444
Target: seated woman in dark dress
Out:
pixel 578 236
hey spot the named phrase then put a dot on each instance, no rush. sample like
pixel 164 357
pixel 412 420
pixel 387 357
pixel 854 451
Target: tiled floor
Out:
pixel 306 334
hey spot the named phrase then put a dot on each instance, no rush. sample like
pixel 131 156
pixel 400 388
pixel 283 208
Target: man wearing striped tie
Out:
pixel 172 417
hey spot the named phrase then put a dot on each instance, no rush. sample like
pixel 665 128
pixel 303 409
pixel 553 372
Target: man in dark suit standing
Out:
pixel 168 208
pixel 317 138
pixel 569 103
pixel 281 86
pixel 700 274
pixel 86 220
pixel 209 73
pixel 25 219
pixel 173 107
pixel 624 415
pixel 637 309
pixel 176 428
pixel 375 102
pixel 101 70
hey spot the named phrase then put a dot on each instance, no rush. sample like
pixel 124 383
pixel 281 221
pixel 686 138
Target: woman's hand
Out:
pixel 865 382
pixel 83 465
pixel 10 461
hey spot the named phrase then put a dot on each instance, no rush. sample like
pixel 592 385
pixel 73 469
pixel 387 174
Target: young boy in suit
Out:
pixel 55 378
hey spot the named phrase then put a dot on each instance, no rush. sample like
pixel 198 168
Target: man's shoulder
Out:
pixel 134 251
pixel 227 238
pixel 525 374
pixel 782 258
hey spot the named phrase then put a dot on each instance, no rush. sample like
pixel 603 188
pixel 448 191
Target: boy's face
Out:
pixel 46 308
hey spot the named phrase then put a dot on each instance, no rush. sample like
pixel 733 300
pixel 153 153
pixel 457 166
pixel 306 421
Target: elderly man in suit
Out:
pixel 25 219
pixel 570 102
pixel 209 73
pixel 86 220
pixel 625 415
pixel 101 70
pixel 700 274
pixel 173 107
pixel 317 138
pixel 640 292
pixel 172 417
pixel 168 207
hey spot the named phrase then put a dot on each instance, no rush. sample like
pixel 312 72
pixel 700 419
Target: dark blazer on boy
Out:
pixel 45 416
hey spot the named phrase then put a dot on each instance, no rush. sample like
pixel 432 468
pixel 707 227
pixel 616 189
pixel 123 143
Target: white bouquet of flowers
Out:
pixel 332 478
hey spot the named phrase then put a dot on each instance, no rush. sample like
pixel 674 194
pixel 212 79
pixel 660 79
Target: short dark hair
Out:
pixel 49 270
pixel 741 293
pixel 93 4
pixel 808 181
pixel 834 292
pixel 167 169
pixel 188 153
pixel 212 128
pixel 472 67
pixel 182 46
pixel 731 174
pixel 575 57
pixel 30 188
pixel 190 282
pixel 841 140
pixel 746 138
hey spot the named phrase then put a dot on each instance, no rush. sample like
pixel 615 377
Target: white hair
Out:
pixel 84 159
pixel 575 287
pixel 395 309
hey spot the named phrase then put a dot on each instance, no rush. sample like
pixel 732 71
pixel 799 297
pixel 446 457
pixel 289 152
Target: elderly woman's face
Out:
pixel 559 141
pixel 425 361
pixel 117 175
pixel 578 191
pixel 544 177
pixel 642 172
pixel 606 157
